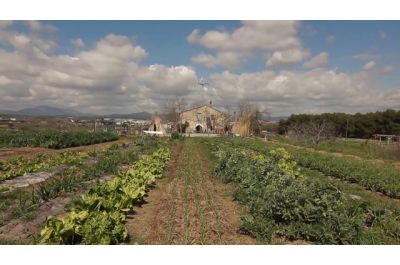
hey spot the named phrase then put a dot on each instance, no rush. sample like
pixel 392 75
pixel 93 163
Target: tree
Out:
pixel 313 131
pixel 257 113
pixel 173 110
pixel 245 107
pixel 228 110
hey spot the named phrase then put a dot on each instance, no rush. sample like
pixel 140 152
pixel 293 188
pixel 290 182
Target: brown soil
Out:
pixel 9 153
pixel 396 165
pixel 146 220
pixel 163 219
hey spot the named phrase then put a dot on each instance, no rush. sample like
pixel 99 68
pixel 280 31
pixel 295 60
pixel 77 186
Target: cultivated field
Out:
pixel 145 190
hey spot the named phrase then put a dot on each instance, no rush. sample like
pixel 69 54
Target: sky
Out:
pixel 284 66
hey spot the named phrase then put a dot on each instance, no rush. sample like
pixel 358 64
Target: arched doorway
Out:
pixel 155 127
pixel 199 128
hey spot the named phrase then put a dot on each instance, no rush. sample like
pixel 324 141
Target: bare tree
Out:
pixel 312 131
pixel 173 110
pixel 170 111
pixel 258 114
pixel 245 107
pixel 228 110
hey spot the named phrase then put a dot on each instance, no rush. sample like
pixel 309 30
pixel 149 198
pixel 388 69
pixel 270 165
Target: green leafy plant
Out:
pixel 281 205
pixel 53 139
pixel 97 218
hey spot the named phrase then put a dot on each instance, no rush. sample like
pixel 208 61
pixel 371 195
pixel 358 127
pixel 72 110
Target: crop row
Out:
pixel 22 165
pixel 53 139
pixel 97 218
pixel 376 177
pixel 285 204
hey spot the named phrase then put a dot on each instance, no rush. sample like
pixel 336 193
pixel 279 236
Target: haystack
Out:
pixel 243 126
pixel 156 123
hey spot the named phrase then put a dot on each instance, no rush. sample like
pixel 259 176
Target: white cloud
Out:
pixel 162 80
pixel 383 35
pixel 239 45
pixel 319 60
pixel 366 56
pixel 35 25
pixel 330 39
pixel 228 59
pixel 5 23
pixel 286 58
pixel 78 43
pixel 369 65
pixel 111 77
pixel 387 69
pixel 265 35
pixel 312 91
pixel 107 78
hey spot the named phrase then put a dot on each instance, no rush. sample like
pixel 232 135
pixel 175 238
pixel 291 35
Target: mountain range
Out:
pixel 53 111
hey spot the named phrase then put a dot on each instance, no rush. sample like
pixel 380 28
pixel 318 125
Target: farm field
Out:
pixel 52 187
pixel 350 148
pixel 53 139
pixel 146 190
pixel 301 203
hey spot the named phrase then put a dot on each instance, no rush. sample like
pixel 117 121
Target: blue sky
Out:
pixel 166 41
pixel 286 62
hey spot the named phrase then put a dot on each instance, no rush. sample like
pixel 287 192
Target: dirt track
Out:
pixel 188 207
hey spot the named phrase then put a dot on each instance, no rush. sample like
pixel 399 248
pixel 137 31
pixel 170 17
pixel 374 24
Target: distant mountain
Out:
pixel 52 111
pixel 44 111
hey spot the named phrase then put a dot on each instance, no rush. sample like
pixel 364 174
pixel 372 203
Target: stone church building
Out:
pixel 204 119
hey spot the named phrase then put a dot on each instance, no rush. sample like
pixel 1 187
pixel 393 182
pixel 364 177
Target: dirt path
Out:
pixel 189 207
pixel 9 153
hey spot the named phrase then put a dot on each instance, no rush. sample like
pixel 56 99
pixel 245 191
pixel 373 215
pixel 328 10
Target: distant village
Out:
pixel 71 123
pixel 202 119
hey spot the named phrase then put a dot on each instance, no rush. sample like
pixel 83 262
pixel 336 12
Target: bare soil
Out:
pixel 204 215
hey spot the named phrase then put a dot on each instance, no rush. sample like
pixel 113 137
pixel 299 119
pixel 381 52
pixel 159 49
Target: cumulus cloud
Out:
pixel 228 59
pixel 111 77
pixel 366 56
pixel 107 78
pixel 266 35
pixel 383 35
pixel 312 91
pixel 320 59
pixel 35 25
pixel 5 23
pixel 369 65
pixel 330 39
pixel 78 43
pixel 240 44
pixel 387 69
pixel 286 58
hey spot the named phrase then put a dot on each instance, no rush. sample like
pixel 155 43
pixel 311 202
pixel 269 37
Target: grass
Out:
pixel 346 147
pixel 4 188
